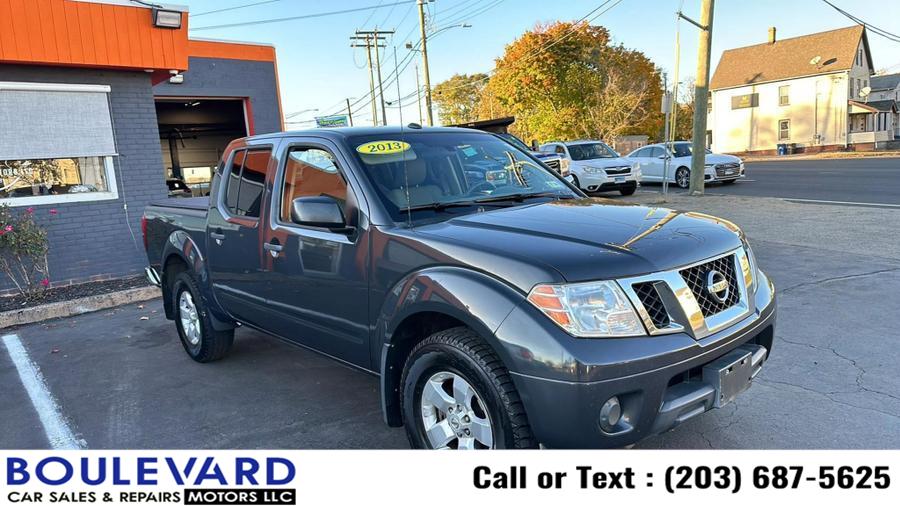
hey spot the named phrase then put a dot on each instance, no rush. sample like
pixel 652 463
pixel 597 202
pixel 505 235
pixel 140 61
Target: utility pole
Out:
pixel 667 110
pixel 421 4
pixel 349 112
pixel 418 93
pixel 701 96
pixel 369 39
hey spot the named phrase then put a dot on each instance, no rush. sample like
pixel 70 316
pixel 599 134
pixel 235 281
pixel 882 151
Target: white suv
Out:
pixel 596 167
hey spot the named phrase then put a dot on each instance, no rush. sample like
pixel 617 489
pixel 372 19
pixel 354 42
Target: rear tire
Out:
pixel 200 340
pixel 454 385
pixel 683 177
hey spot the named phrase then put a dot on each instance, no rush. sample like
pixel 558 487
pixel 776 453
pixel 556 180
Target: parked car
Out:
pixel 552 160
pixel 725 169
pixel 503 313
pixel 178 188
pixel 596 167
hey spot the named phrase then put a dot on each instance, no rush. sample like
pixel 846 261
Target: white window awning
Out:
pixel 48 120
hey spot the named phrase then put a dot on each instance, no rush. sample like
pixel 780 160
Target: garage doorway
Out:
pixel 193 134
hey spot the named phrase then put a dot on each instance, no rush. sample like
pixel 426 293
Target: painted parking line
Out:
pixel 59 434
pixel 842 203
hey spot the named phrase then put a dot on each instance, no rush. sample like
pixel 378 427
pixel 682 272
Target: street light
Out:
pixel 298 113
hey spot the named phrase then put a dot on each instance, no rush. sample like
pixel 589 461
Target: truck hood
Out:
pixel 589 239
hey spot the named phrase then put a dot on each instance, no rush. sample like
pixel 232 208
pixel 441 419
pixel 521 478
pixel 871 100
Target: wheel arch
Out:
pixel 181 253
pixel 430 301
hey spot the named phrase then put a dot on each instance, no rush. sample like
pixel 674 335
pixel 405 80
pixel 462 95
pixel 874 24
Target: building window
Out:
pixel 83 178
pixel 784 95
pixel 858 85
pixel 56 143
pixel 745 101
pixel 784 129
pixel 709 102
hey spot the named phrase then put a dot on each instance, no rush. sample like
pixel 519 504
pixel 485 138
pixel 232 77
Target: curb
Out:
pixel 75 307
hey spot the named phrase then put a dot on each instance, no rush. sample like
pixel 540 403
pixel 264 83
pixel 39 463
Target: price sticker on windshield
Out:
pixel 383 147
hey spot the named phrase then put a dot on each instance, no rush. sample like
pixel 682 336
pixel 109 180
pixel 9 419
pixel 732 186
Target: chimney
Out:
pixel 771 35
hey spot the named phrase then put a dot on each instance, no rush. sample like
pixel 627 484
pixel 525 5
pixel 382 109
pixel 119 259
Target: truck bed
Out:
pixel 167 216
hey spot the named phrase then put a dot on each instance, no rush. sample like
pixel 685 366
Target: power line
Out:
pixel 306 16
pixel 874 29
pixel 236 7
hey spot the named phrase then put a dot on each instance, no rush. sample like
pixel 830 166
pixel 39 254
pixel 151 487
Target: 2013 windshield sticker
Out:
pixel 383 147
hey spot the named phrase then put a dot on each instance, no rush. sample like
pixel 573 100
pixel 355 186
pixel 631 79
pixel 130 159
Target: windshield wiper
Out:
pixel 522 197
pixel 440 206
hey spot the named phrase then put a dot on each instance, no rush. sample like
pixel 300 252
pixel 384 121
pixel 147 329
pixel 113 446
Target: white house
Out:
pixel 803 91
pixel 887 87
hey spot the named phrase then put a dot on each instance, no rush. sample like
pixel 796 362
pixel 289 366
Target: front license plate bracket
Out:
pixel 732 373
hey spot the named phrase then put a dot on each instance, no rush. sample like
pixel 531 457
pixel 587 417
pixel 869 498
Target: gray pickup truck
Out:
pixel 498 305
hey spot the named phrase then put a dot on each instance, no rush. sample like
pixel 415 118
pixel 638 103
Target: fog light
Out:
pixel 610 414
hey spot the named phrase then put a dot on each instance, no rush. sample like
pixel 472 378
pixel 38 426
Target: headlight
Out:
pixel 595 309
pixel 751 269
pixel 710 166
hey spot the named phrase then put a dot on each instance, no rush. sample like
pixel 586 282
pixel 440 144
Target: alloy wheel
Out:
pixel 189 317
pixel 453 414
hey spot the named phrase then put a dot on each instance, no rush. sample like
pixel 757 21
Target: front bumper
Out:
pixel 659 381
pixel 602 183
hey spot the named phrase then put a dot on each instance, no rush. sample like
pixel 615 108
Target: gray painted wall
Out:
pixel 97 239
pixel 217 77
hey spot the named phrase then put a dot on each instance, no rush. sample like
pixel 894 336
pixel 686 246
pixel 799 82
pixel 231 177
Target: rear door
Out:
pixel 234 237
pixel 319 277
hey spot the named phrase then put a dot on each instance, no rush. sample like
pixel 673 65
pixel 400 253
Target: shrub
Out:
pixel 23 252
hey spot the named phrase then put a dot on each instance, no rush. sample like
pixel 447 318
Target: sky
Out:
pixel 318 69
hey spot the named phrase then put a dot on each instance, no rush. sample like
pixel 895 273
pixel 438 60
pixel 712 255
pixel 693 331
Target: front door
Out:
pixel 319 278
pixel 234 235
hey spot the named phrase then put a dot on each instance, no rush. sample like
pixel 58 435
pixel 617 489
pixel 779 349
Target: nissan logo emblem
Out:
pixel 717 286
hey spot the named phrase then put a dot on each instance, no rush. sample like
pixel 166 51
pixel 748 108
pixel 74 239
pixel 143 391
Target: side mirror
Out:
pixel 322 211
pixel 663 157
pixel 534 145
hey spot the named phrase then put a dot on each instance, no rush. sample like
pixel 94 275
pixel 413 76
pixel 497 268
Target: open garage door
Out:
pixel 193 134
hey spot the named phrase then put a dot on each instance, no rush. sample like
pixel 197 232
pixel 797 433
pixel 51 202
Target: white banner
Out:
pixel 405 477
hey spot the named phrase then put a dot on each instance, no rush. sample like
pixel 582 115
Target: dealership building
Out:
pixel 106 105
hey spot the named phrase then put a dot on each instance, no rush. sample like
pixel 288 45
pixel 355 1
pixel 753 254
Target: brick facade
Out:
pixel 219 77
pixel 100 240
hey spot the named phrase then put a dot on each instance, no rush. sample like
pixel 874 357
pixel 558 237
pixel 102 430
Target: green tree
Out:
pixel 457 98
pixel 566 80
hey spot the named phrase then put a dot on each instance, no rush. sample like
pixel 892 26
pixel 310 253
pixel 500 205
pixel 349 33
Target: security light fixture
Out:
pixel 165 18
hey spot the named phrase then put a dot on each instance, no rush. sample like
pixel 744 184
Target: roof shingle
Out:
pixel 885 82
pixel 788 58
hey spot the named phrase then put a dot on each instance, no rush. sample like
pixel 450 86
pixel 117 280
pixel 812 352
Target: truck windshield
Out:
pixel 434 171
pixel 591 151
pixel 515 141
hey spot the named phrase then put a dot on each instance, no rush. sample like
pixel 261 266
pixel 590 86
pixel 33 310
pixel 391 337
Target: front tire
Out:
pixel 200 340
pixel 628 191
pixel 729 181
pixel 576 182
pixel 683 177
pixel 457 394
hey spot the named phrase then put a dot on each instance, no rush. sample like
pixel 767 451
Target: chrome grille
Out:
pixel 696 279
pixel 617 171
pixel 728 169
pixel 553 164
pixel 652 302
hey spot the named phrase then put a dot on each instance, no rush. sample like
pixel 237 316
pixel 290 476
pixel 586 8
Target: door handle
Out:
pixel 218 236
pixel 272 248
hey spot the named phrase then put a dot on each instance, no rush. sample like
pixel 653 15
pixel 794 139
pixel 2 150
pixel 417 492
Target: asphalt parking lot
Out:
pixel 120 378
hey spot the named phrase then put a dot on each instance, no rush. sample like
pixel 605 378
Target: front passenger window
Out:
pixel 310 172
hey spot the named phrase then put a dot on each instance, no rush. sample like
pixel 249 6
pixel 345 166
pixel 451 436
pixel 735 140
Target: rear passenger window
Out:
pixel 246 181
pixel 234 181
pixel 310 172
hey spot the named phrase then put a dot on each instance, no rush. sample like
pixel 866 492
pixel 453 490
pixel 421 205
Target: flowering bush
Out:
pixel 23 252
